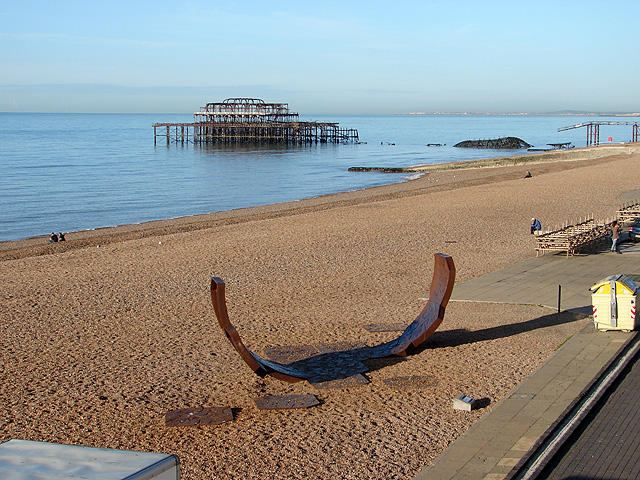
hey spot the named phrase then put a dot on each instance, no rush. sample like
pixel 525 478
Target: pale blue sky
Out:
pixel 321 57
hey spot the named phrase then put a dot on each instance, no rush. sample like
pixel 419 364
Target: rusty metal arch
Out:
pixel 327 366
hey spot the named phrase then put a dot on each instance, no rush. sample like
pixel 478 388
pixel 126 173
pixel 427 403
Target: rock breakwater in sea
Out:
pixel 505 143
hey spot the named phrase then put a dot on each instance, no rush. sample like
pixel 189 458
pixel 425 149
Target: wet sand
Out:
pixel 105 333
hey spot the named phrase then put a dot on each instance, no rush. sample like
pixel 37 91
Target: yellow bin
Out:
pixel 614 303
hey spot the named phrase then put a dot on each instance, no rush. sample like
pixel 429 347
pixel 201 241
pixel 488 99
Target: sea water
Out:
pixel 68 172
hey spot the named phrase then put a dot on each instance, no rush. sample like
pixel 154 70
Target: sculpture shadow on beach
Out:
pixel 462 336
pixel 342 364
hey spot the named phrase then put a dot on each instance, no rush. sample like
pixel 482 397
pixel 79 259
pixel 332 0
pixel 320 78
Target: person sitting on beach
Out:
pixel 528 174
pixel 535 225
pixel 53 238
pixel 61 237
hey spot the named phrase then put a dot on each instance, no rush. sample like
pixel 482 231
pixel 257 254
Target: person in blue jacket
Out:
pixel 535 225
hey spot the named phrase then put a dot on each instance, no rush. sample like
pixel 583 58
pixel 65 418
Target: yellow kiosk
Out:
pixel 614 303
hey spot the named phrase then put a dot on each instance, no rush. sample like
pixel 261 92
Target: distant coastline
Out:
pixel 549 114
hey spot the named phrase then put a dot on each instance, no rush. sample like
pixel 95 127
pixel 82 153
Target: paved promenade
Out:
pixel 606 445
pixel 536 281
pixel 525 430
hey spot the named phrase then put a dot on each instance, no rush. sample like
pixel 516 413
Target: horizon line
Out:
pixel 557 114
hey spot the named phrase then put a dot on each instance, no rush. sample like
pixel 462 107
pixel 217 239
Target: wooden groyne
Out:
pixel 251 120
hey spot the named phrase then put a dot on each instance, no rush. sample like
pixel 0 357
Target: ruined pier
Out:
pixel 251 120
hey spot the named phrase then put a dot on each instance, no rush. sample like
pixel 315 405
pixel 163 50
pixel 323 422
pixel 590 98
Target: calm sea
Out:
pixel 68 172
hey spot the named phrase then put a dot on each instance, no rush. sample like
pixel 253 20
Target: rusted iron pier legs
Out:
pixel 593 134
pixel 288 133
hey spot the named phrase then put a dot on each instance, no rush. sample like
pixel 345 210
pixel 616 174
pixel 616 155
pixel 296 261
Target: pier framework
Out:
pixel 251 120
pixel 593 130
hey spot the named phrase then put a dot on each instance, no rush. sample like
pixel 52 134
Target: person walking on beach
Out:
pixel 615 236
pixel 535 225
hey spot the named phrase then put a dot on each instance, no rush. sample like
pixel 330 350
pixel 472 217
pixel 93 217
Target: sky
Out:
pixel 322 57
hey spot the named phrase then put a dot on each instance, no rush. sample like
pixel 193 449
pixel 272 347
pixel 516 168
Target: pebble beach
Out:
pixel 107 332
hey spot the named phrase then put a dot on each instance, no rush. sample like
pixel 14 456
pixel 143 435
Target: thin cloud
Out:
pixel 84 40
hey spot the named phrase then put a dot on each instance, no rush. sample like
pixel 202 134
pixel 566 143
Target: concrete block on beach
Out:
pixel 464 402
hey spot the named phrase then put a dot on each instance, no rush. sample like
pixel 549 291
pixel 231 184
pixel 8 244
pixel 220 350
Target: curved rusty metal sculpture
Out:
pixel 330 366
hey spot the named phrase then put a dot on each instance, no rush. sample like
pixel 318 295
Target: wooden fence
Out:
pixel 573 238
pixel 585 234
pixel 629 212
